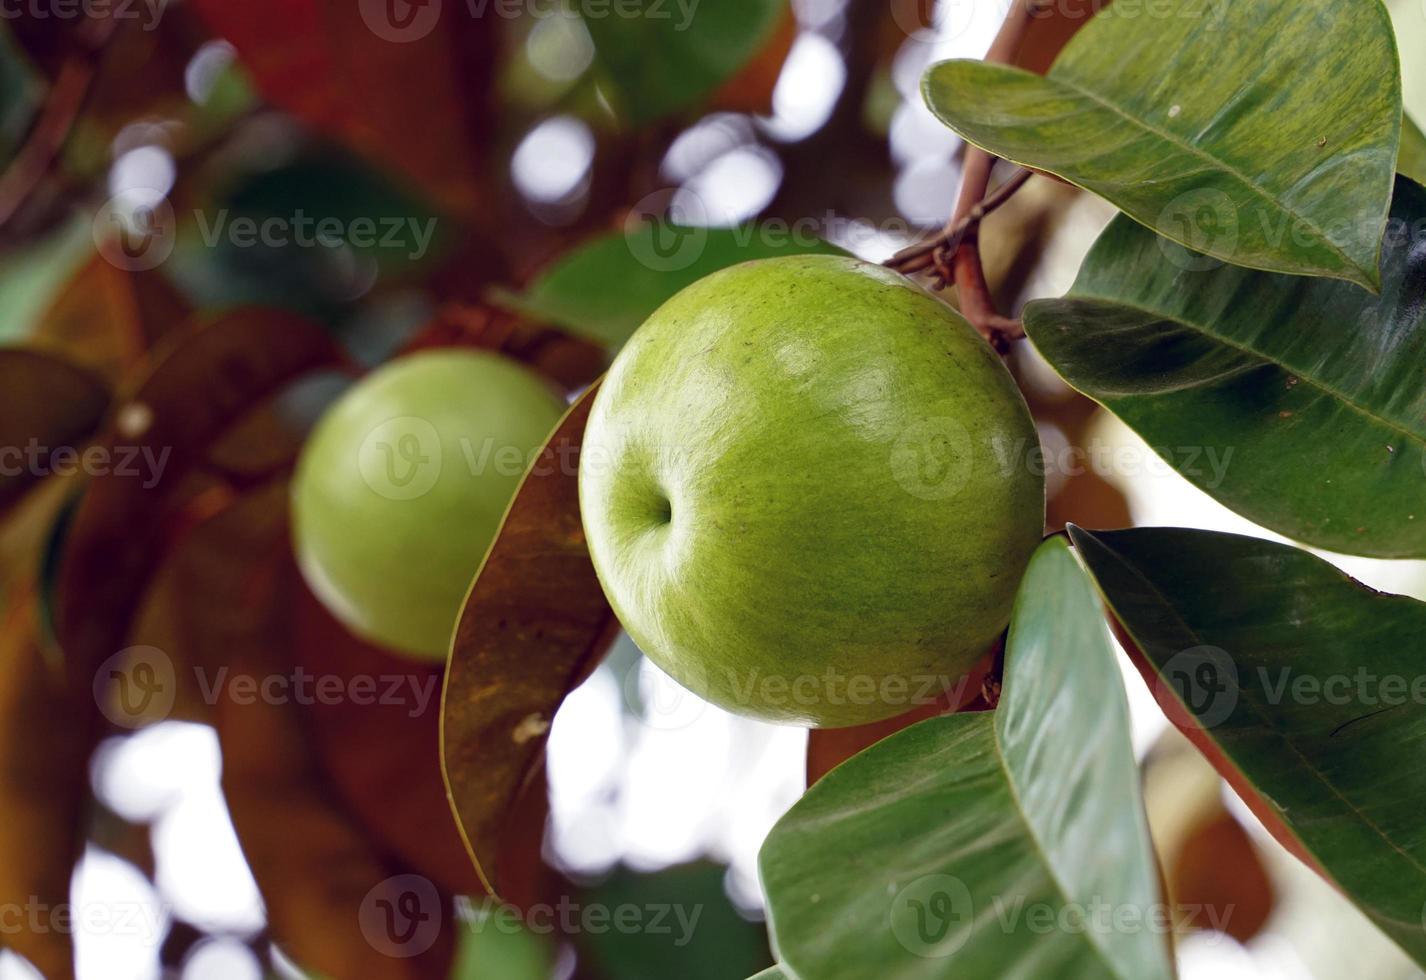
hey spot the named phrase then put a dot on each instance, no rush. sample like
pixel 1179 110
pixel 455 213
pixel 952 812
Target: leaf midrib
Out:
pixel 1217 164
pixel 1258 713
pixel 1260 356
pixel 1060 889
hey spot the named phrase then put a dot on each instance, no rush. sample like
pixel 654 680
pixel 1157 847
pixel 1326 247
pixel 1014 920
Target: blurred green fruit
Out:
pixel 807 491
pixel 402 487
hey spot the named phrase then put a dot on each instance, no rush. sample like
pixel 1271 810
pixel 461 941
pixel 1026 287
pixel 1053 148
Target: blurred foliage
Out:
pixel 143 158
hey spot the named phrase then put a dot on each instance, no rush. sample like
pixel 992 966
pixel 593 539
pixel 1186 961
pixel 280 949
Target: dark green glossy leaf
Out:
pixel 988 844
pixel 1263 133
pixel 1306 683
pixel 608 287
pixel 665 55
pixel 1412 161
pixel 1300 403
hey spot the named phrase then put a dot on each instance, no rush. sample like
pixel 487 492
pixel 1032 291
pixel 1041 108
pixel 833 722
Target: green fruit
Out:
pixel 806 491
pixel 402 487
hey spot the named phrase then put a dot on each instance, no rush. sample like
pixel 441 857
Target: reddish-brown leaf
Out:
pixel 410 94
pixel 328 888
pixel 211 376
pixel 535 624
pixel 46 403
pixel 1088 500
pixel 1220 874
pixel 1185 722
pixel 43 788
pixel 1051 29
pixel 750 90
pixel 107 319
pixel 828 748
pixel 382 748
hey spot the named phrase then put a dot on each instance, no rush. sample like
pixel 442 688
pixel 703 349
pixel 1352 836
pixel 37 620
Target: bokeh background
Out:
pixel 655 795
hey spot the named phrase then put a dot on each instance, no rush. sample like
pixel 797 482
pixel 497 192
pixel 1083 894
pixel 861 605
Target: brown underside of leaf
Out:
pixel 384 758
pixel 43 788
pixel 108 319
pixel 314 866
pixel 750 90
pixel 212 376
pixel 828 748
pixel 1051 29
pixel 47 402
pixel 535 624
pixel 1184 721
pixel 320 61
pixel 1220 871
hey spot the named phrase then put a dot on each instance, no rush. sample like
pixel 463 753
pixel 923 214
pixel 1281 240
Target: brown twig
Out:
pixel 57 116
pixel 957 258
pixel 919 257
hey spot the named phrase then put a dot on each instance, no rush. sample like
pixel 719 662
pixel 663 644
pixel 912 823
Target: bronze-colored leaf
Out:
pixel 336 902
pixel 1186 723
pixel 1220 875
pixel 750 90
pixel 1051 27
pixel 535 624
pixel 108 319
pixel 381 745
pixel 403 84
pixel 43 787
pixel 46 404
pixel 828 748
pixel 211 376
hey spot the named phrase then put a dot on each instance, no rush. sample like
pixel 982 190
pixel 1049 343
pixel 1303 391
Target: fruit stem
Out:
pixel 955 253
pixel 919 257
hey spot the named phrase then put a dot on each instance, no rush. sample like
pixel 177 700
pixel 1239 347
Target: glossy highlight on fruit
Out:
pixel 806 489
pixel 403 484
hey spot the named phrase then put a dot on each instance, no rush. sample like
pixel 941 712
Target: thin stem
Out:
pixel 57 116
pixel 954 255
pixel 919 256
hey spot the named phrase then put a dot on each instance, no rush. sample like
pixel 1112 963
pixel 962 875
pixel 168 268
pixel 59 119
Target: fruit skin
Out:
pixel 805 489
pixel 402 487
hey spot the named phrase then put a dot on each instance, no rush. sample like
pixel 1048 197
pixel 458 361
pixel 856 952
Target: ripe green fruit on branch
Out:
pixel 402 487
pixel 800 487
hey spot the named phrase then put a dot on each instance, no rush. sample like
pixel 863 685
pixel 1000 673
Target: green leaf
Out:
pixel 606 288
pixel 1307 682
pixel 1412 161
pixel 773 973
pixel 1300 403
pixel 496 945
pixel 662 56
pixel 1272 125
pixel 993 844
pixel 702 936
